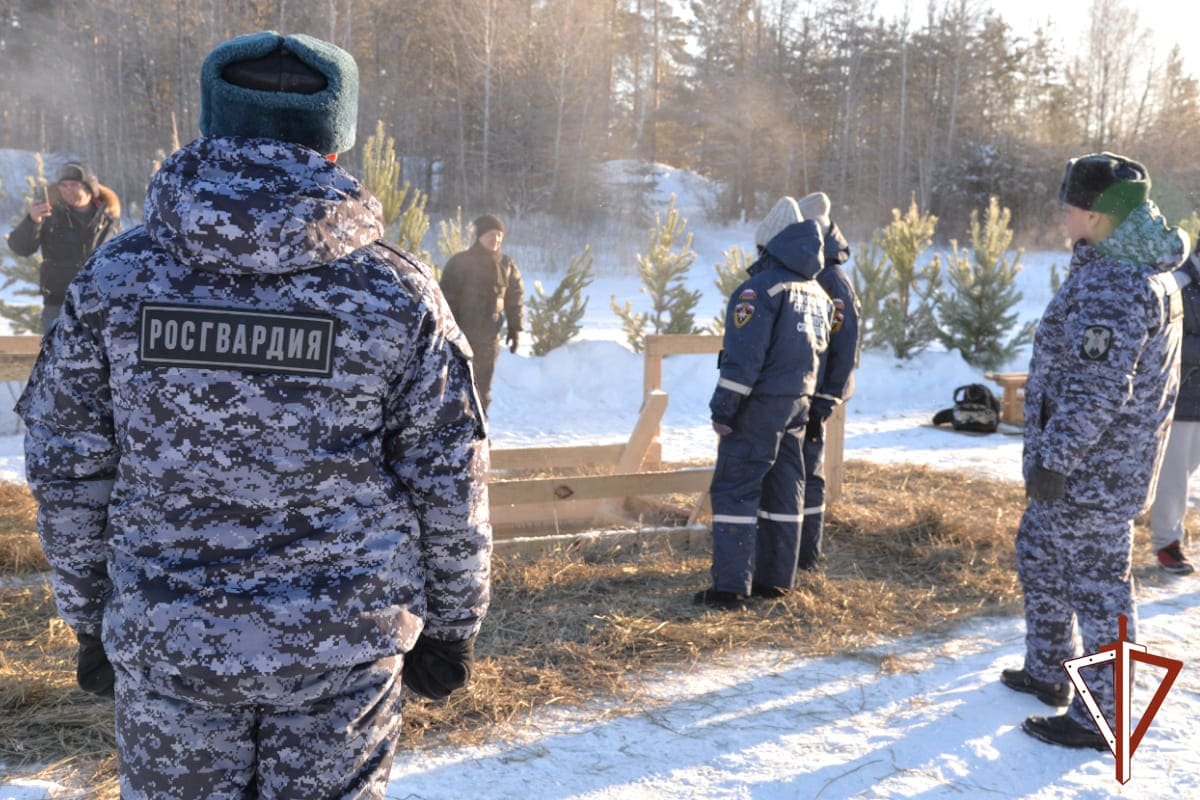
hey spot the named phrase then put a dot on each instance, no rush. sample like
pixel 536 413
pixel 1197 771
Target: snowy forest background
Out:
pixel 515 105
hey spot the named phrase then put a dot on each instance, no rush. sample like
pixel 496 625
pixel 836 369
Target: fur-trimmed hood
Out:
pixel 106 199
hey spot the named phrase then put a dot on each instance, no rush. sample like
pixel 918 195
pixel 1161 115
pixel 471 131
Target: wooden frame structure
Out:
pixel 1012 402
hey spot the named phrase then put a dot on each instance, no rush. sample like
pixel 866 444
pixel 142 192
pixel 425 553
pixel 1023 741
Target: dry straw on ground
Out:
pixel 908 550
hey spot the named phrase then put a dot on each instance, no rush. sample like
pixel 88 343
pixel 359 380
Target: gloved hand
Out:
pixel 814 430
pixel 724 405
pixel 820 408
pixel 93 672
pixel 434 668
pixel 514 339
pixel 1045 484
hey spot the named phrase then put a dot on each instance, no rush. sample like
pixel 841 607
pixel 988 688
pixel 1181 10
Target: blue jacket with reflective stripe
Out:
pixel 778 322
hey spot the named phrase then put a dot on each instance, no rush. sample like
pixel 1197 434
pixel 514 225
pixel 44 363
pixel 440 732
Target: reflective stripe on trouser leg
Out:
pixel 813 528
pixel 1074 565
pixel 744 459
pixel 779 519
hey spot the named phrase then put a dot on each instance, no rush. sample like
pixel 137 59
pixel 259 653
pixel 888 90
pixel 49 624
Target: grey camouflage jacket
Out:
pixel 253 435
pixel 1104 373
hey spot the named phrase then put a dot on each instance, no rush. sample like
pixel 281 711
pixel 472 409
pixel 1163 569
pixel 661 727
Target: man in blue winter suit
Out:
pixel 835 374
pixel 776 326
pixel 1103 378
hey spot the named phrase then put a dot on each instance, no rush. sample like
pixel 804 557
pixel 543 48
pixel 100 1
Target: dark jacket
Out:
pixel 1187 407
pixel 252 433
pixel 480 286
pixel 67 237
pixel 777 324
pixel 835 380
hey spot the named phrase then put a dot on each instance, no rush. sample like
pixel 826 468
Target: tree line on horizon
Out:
pixel 513 105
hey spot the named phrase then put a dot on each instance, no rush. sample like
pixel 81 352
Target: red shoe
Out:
pixel 1172 559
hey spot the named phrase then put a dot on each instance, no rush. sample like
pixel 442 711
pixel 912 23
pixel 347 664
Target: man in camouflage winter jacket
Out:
pixel 1102 383
pixel 259 458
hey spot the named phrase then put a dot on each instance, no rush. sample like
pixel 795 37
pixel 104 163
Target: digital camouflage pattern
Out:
pixel 328 736
pixel 258 518
pixel 1105 368
pixel 1102 382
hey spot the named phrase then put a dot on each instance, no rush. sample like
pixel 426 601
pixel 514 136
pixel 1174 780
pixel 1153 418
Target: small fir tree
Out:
pixel 731 273
pixel 452 237
pixel 414 224
pixel 978 311
pixel 381 172
pixel 873 281
pixel 906 319
pixel 554 319
pixel 23 270
pixel 1192 226
pixel 663 269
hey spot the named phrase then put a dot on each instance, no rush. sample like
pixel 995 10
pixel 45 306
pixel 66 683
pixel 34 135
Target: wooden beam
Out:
pixel 835 446
pixel 554 491
pixel 669 344
pixel 552 458
pixel 20 345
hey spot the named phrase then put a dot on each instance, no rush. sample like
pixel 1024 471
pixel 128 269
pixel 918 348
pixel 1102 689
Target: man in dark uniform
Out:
pixel 84 216
pixel 1103 379
pixel 835 376
pixel 484 287
pixel 259 459
pixel 776 327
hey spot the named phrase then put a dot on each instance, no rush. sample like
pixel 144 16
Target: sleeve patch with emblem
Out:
pixel 742 313
pixel 1097 339
pixel 839 314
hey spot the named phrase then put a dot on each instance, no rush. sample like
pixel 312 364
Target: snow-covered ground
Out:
pixel 766 724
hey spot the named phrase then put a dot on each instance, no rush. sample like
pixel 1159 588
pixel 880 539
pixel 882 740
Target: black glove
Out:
pixel 724 406
pixel 93 672
pixel 1045 484
pixel 514 340
pixel 435 668
pixel 814 431
pixel 821 408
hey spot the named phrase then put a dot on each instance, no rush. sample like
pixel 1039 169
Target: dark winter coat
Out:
pixel 252 432
pixel 777 324
pixel 481 287
pixel 1187 407
pixel 1104 372
pixel 835 380
pixel 67 237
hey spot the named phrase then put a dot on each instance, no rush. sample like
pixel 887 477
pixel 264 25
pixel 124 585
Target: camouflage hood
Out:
pixel 241 206
pixel 1146 238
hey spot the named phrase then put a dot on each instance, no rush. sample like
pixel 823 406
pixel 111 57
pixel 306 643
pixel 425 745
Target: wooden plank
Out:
pixel 595 487
pixel 20 345
pixel 644 431
pixel 544 515
pixel 551 458
pixel 669 344
pixel 537 544
pixel 16 367
pixel 835 447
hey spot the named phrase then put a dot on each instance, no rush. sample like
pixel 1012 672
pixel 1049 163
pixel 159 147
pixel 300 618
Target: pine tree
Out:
pixel 906 319
pixel 1192 226
pixel 414 224
pixel 381 172
pixel 873 279
pixel 731 273
pixel 663 270
pixel 978 311
pixel 452 238
pixel 554 319
pixel 24 270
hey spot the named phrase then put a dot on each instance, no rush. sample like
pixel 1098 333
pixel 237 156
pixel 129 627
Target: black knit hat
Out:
pixel 78 171
pixel 292 88
pixel 1106 183
pixel 488 222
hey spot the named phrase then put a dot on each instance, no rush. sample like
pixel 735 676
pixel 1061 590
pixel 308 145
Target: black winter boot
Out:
pixel 1064 731
pixel 725 601
pixel 1052 694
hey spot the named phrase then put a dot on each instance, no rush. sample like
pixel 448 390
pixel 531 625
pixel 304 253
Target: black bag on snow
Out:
pixel 975 409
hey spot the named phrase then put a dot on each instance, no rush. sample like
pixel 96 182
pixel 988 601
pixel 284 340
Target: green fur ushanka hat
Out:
pixel 1105 182
pixel 294 88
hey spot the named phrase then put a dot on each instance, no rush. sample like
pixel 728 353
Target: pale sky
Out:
pixel 1170 22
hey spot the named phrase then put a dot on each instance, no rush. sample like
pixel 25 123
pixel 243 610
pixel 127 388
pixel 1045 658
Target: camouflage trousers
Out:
pixel 331 735
pixel 1075 568
pixel 758 495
